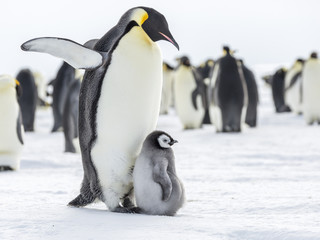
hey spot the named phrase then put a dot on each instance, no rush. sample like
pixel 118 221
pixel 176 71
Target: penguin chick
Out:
pixel 157 188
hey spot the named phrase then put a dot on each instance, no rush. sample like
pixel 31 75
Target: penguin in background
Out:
pixel 205 71
pixel 65 76
pixel 119 101
pixel 189 94
pixel 11 127
pixel 167 89
pixel 278 84
pixel 253 96
pixel 293 87
pixel 228 94
pixel 70 115
pixel 41 89
pixel 29 98
pixel 311 89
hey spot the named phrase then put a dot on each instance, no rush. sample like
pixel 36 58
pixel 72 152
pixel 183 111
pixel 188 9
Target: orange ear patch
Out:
pixel 144 18
pixel 17 82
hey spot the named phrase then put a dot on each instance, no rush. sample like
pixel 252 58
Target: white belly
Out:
pixel 127 112
pixel 311 90
pixel 10 146
pixel 184 85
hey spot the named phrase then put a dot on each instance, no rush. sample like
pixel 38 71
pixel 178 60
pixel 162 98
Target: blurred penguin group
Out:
pixel 297 89
pixel 221 92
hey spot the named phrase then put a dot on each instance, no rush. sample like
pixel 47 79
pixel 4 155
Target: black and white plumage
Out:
pixel 119 100
pixel 11 127
pixel 158 190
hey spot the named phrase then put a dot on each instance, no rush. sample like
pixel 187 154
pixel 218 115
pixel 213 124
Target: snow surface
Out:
pixel 261 184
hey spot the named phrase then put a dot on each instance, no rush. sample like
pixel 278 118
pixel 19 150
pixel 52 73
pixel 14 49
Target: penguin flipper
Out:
pixel 194 99
pixel 19 127
pixel 77 55
pixel 161 176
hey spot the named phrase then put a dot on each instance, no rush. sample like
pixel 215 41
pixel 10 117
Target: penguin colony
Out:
pixel 297 89
pixel 127 165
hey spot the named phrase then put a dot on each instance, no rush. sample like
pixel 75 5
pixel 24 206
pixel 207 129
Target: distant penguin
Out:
pixel 119 101
pixel 278 91
pixel 65 76
pixel 189 95
pixel 205 71
pixel 253 96
pixel 167 90
pixel 293 87
pixel 28 100
pixel 11 128
pixel 41 89
pixel 70 116
pixel 228 94
pixel 311 89
pixel 158 190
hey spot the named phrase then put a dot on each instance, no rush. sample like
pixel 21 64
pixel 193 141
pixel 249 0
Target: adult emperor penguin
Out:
pixel 158 190
pixel 311 88
pixel 189 95
pixel 28 100
pixel 119 101
pixel 205 72
pixel 253 96
pixel 277 84
pixel 70 116
pixel 167 89
pixel 228 94
pixel 293 87
pixel 11 128
pixel 65 75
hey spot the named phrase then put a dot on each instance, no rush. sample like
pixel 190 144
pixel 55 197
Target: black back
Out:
pixel 229 93
pixel 278 91
pixel 28 98
pixel 65 76
pixel 253 96
pixel 70 115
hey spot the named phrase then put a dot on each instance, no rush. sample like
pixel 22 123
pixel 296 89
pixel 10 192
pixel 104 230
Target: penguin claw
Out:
pixel 127 210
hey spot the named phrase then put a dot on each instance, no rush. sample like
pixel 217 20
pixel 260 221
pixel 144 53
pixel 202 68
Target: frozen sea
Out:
pixel 261 184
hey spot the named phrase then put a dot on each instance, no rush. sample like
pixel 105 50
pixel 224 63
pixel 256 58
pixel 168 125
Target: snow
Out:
pixel 261 184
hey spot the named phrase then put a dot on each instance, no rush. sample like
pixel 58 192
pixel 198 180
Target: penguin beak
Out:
pixel 170 39
pixel 173 142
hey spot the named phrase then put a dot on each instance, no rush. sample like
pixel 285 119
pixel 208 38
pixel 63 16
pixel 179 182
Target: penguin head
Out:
pixel 314 55
pixel 160 140
pixel 154 24
pixel 184 60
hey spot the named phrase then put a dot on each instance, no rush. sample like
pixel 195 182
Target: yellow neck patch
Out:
pixel 144 18
pixel 17 82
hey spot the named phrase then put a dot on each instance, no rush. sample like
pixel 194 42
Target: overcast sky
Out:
pixel 263 32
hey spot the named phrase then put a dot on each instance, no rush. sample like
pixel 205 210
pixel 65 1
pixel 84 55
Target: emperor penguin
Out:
pixel 205 71
pixel 119 101
pixel 41 89
pixel 65 75
pixel 158 190
pixel 189 94
pixel 311 89
pixel 11 128
pixel 29 98
pixel 253 96
pixel 293 87
pixel 228 94
pixel 278 84
pixel 70 116
pixel 167 89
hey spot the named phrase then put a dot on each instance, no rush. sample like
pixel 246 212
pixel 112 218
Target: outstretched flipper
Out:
pixel 73 53
pixel 161 176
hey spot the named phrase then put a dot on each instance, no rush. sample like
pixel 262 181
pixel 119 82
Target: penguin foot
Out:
pixel 6 168
pixel 80 201
pixel 120 209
